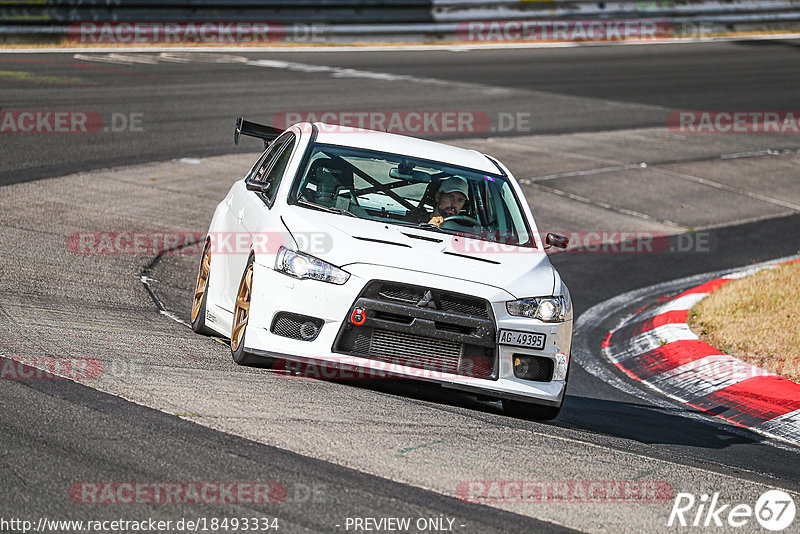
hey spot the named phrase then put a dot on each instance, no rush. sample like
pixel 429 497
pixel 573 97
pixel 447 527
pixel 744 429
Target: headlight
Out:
pixel 547 309
pixel 302 266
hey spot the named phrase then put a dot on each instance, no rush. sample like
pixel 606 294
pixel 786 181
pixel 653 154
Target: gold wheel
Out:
pixel 242 310
pixel 202 282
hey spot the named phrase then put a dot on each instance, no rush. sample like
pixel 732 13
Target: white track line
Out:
pixel 341 72
pixel 334 72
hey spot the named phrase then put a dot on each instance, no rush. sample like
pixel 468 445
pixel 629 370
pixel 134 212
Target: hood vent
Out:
pixel 382 241
pixel 423 238
pixel 476 258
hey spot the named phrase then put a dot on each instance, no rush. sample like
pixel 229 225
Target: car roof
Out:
pixel 402 144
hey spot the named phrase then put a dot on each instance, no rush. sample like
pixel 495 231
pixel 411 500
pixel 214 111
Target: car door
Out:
pixel 252 207
pixel 235 245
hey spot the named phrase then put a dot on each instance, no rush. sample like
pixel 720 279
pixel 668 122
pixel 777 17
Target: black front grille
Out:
pixel 296 326
pixel 445 301
pixel 464 305
pixel 424 328
pixel 401 293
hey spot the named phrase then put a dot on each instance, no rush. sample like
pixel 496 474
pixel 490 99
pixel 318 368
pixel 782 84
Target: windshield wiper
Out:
pixel 329 209
pixel 429 226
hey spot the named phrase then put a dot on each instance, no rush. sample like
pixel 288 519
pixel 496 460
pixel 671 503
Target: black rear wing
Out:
pixel 252 129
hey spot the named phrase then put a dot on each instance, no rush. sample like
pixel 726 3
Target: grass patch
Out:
pixel 755 319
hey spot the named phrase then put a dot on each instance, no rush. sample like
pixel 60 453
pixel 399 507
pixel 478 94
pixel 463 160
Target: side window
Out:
pixel 275 173
pixel 517 227
pixel 263 162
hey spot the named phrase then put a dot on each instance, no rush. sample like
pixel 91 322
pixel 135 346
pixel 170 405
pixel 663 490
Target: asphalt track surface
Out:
pixel 187 107
pixel 55 433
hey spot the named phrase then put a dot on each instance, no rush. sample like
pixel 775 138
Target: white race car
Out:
pixel 377 254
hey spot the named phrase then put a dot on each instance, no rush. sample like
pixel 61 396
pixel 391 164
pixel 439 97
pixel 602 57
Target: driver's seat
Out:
pixel 330 177
pixel 326 177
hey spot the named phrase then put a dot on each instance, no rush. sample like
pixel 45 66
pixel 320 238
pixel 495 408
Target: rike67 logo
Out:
pixel 774 510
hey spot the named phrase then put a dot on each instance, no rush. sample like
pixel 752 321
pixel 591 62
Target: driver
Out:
pixel 450 199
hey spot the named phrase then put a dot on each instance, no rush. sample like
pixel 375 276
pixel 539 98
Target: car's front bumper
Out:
pixel 275 292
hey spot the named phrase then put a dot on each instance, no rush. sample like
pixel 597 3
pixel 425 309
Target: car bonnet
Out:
pixel 342 241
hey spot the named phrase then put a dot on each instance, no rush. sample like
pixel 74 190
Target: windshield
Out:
pixel 403 190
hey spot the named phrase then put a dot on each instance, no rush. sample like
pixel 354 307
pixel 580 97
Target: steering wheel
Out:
pixel 463 220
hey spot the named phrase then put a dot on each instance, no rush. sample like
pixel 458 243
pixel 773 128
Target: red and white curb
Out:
pixel 656 347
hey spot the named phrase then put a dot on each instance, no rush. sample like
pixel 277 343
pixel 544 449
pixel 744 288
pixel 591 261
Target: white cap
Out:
pixel 453 184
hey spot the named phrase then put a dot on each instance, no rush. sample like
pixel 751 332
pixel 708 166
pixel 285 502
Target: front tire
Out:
pixel 241 316
pixel 200 299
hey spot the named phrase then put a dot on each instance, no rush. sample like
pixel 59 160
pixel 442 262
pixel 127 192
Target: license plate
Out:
pixel 531 340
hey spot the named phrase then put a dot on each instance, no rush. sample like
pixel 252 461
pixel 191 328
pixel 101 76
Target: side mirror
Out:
pixel 556 240
pixel 258 186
